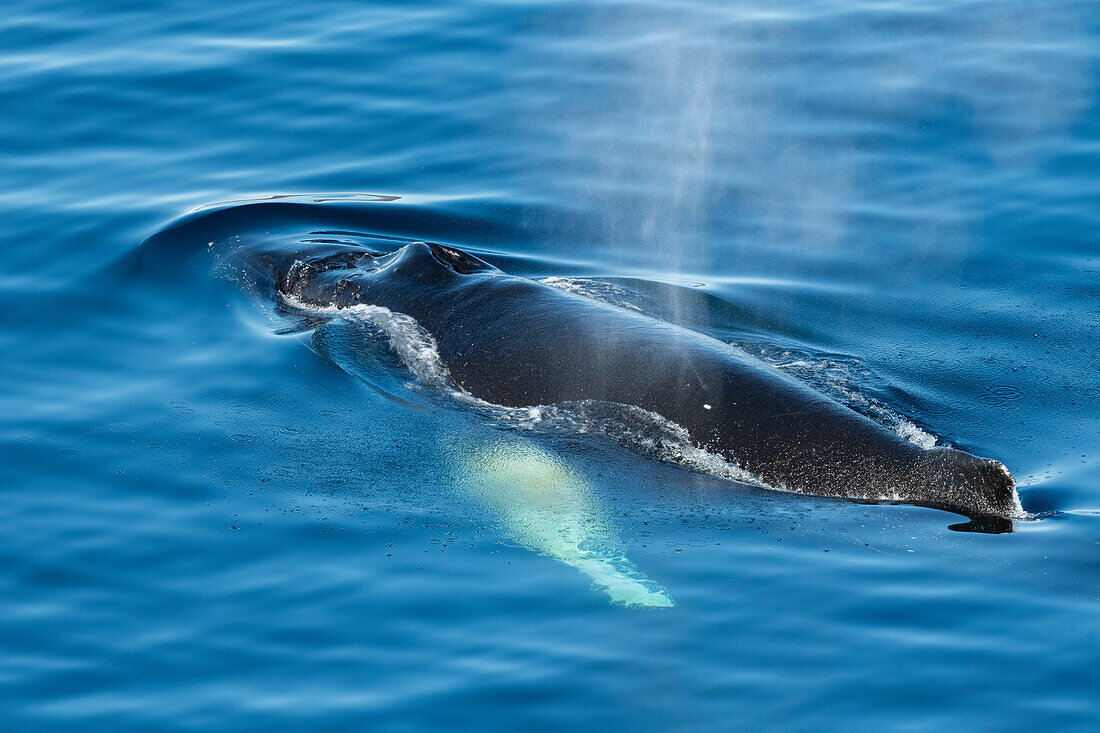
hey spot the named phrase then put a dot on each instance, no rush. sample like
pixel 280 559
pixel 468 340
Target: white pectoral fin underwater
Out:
pixel 547 507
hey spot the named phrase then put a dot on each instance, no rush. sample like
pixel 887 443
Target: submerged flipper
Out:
pixel 550 509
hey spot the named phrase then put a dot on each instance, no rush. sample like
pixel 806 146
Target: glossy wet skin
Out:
pixel 516 342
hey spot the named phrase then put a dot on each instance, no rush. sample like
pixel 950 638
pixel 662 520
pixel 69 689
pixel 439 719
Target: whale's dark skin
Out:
pixel 516 342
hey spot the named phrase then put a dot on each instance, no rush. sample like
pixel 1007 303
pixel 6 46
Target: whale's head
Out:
pixel 975 487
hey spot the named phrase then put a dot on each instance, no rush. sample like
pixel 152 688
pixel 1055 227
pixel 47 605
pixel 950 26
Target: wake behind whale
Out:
pixel 510 341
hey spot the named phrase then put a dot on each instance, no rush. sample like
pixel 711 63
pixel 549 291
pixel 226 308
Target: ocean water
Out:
pixel 211 516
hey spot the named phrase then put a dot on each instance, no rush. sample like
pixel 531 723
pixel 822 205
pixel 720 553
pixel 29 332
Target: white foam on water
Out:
pixel 595 289
pixel 641 430
pixel 416 348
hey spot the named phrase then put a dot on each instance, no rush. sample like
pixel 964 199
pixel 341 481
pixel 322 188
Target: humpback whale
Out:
pixel 516 342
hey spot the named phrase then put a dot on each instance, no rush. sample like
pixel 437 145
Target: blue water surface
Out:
pixel 208 519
